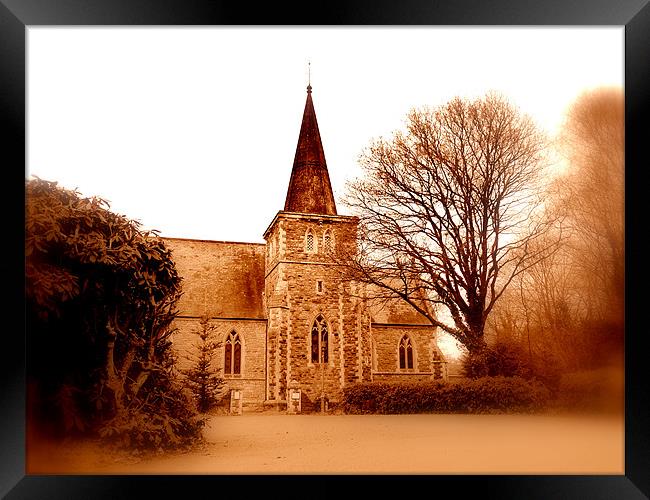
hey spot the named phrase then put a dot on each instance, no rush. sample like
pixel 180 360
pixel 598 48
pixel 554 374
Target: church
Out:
pixel 292 334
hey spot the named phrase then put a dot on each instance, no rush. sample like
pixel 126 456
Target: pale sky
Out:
pixel 192 131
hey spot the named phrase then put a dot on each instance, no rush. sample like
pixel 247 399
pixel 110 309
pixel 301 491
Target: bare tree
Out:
pixel 570 307
pixel 591 197
pixel 449 211
pixel 542 312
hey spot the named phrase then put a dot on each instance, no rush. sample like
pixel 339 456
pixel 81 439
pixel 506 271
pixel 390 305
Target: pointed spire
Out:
pixel 310 190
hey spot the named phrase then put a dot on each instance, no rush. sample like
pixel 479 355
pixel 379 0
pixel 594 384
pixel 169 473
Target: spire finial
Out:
pixel 309 77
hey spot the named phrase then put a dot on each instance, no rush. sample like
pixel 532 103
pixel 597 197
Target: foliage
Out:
pixel 166 422
pixel 481 395
pixel 500 359
pixel 101 297
pixel 510 359
pixel 450 210
pixel 591 391
pixel 201 378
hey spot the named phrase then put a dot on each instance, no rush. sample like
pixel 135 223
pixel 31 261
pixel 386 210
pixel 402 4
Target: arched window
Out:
pixel 310 243
pixel 405 353
pixel 319 338
pixel 232 364
pixel 328 242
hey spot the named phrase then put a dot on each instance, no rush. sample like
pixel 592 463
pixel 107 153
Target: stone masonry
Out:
pixel 302 284
pixel 272 295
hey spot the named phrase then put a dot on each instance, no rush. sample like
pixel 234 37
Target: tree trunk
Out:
pixel 113 381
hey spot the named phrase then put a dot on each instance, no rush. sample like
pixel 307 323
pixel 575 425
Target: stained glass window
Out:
pixel 319 340
pixel 232 362
pixel 405 353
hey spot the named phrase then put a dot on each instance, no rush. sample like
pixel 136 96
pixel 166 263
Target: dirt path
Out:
pixel 371 444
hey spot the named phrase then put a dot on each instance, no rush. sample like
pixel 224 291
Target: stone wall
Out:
pixel 402 377
pixel 385 349
pixel 392 311
pixel 300 285
pixel 252 333
pixel 286 237
pixel 220 279
pixel 270 294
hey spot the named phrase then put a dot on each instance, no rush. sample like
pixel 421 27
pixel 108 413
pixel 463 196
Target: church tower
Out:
pixel 318 337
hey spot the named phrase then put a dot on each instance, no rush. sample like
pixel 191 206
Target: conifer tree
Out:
pixel 202 379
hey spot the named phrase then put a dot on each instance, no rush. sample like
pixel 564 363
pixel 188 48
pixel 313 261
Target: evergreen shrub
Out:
pixel 481 395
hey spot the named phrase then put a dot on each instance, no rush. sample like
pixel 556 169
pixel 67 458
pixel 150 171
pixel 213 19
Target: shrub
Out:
pixel 101 296
pixel 498 360
pixel 481 395
pixel 164 422
pixel 592 390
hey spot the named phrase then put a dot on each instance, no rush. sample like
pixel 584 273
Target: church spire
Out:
pixel 310 190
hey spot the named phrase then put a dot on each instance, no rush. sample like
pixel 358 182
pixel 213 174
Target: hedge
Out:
pixel 590 391
pixel 482 395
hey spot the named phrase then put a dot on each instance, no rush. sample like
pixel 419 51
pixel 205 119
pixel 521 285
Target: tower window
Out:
pixel 405 353
pixel 319 340
pixel 232 362
pixel 327 240
pixel 319 286
pixel 310 244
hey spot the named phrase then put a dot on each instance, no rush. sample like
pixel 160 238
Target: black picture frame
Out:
pixel 17 15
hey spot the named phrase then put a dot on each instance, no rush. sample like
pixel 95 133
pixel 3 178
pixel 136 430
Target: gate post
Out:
pixel 235 401
pixel 294 401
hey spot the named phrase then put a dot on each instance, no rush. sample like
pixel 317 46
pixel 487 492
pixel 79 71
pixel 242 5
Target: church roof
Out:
pixel 310 190
pixel 222 279
pixel 395 312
